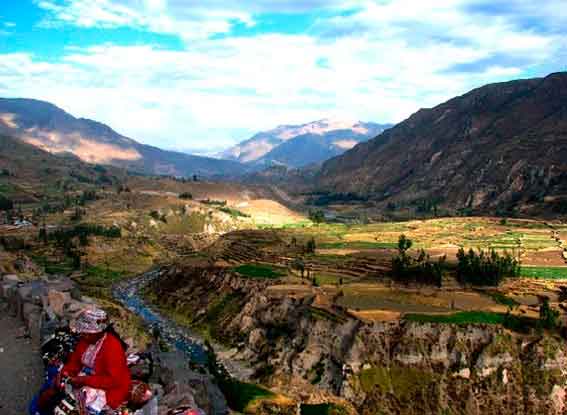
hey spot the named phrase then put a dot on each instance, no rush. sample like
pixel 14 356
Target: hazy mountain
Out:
pixel 52 129
pixel 500 146
pixel 300 145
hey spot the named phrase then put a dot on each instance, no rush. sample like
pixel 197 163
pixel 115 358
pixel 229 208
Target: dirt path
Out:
pixel 20 366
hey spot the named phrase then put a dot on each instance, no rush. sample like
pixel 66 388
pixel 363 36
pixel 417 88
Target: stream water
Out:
pixel 128 293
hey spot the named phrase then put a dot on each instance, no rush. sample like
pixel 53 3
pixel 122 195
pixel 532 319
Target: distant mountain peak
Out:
pixel 298 145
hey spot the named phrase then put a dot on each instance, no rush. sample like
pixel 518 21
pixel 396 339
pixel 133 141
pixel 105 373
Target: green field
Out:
pixel 358 245
pixel 548 273
pixel 258 271
pixel 516 323
pixel 240 395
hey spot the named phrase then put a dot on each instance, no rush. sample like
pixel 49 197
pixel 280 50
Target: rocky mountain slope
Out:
pixel 501 146
pixel 300 145
pixel 52 129
pixel 394 367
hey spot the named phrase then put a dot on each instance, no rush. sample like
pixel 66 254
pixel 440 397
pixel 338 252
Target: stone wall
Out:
pixel 48 303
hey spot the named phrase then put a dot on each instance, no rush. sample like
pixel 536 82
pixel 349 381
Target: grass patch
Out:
pixel 320 314
pixel 192 223
pixel 240 395
pixel 501 298
pixel 235 213
pixel 64 266
pixel 404 382
pixel 258 271
pixel 322 409
pixel 512 322
pixel 101 277
pixel 358 245
pixel 329 279
pixel 546 273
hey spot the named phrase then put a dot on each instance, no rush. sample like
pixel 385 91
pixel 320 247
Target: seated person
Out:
pixel 97 368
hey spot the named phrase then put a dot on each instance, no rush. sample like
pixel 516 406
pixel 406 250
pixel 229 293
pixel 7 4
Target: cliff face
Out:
pixel 379 368
pixel 497 147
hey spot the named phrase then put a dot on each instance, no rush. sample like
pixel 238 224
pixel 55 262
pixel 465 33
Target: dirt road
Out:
pixel 20 366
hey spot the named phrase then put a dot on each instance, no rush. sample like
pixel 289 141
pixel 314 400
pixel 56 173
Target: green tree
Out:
pixel 317 216
pixel 311 246
pixel 485 267
pixel 404 244
pixel 548 317
pixel 299 265
pixel 42 237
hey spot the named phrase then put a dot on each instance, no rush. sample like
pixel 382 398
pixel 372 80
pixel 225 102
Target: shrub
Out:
pixel 235 213
pixel 77 214
pixel 298 265
pixel 214 202
pixel 317 216
pixel 154 214
pixel 63 237
pixel 548 317
pixel 311 246
pixel 186 196
pixel 5 203
pixel 485 268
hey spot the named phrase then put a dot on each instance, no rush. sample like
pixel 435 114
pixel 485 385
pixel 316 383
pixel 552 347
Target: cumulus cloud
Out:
pixel 374 61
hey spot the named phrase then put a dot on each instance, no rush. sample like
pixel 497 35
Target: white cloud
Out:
pixel 380 64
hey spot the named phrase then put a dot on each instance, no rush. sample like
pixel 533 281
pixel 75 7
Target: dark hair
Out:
pixel 111 330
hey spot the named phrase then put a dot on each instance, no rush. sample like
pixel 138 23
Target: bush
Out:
pixel 63 237
pixel 311 246
pixel 5 203
pixel 317 216
pixel 235 213
pixel 485 268
pixel 214 202
pixel 186 196
pixel 154 214
pixel 548 317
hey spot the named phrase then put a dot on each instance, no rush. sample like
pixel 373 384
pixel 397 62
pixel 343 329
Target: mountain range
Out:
pixel 50 128
pixel 300 145
pixel 501 146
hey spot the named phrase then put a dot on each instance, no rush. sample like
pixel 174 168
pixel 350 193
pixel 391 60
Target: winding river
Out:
pixel 128 293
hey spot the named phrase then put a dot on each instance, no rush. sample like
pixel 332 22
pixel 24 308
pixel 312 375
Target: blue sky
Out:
pixel 196 75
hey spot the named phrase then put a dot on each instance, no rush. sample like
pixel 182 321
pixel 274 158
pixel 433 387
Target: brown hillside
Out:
pixel 502 146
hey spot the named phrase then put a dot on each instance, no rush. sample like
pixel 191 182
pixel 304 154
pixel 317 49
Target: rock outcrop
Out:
pixel 318 355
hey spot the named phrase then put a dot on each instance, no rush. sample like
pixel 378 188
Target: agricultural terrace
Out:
pixel 351 265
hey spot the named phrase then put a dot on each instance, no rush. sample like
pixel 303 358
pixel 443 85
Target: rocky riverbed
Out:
pixel 190 344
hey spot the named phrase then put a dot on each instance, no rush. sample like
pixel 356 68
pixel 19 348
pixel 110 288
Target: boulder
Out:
pixel 28 293
pixel 62 284
pixel 57 300
pixel 13 278
pixel 173 370
pixel 7 289
pixel 176 396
